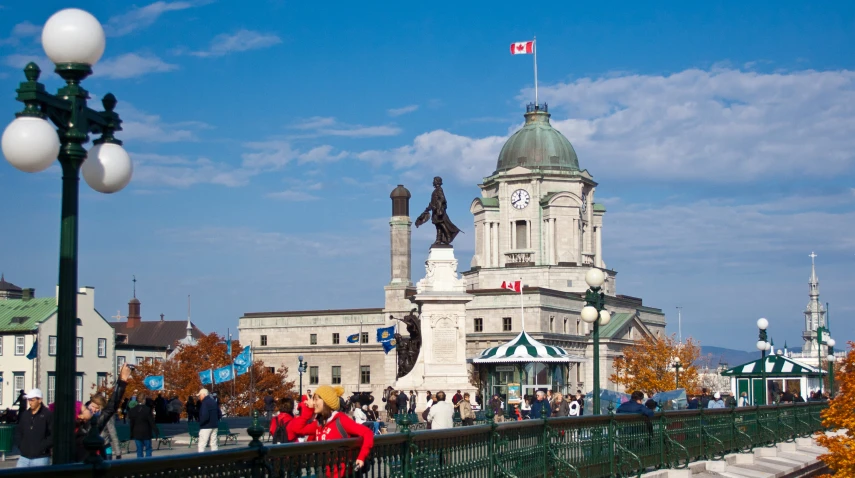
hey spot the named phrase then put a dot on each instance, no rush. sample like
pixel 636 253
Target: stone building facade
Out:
pixel 536 221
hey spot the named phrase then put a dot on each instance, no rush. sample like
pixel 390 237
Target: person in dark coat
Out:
pixel 21 402
pixel 86 420
pixel 209 421
pixel 34 432
pixel 191 410
pixel 143 429
pixel 123 409
pixel 161 414
pixel 634 405
pixel 402 402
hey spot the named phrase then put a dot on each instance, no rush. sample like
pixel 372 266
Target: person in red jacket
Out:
pixel 280 422
pixel 320 419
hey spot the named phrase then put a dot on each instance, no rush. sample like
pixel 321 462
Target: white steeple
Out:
pixel 815 312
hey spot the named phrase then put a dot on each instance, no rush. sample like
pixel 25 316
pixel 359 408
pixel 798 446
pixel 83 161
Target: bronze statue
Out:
pixel 446 231
pixel 408 348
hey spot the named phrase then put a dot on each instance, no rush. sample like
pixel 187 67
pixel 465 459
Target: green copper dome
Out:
pixel 537 145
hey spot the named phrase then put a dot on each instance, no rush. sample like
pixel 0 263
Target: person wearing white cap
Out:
pixel 716 402
pixel 34 433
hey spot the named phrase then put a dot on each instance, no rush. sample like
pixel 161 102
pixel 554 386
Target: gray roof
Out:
pixel 8 286
pixel 156 333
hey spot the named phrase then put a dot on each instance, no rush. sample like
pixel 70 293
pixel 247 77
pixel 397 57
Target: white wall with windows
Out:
pixel 16 370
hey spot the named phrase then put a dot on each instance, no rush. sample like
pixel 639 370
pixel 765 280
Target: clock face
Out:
pixel 520 198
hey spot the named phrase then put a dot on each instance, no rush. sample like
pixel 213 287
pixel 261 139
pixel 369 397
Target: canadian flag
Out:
pixel 515 286
pixel 522 48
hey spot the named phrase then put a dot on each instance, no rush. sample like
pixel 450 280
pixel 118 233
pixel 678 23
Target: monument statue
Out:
pixel 408 348
pixel 446 231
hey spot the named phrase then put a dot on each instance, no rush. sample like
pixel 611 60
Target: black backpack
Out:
pixel 281 434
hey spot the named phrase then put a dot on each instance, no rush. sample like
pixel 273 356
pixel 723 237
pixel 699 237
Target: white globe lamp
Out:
pixel 761 345
pixel 589 314
pixel 605 317
pixel 107 168
pixel 762 324
pixel 30 144
pixel 830 342
pixel 595 278
pixel 830 358
pixel 73 36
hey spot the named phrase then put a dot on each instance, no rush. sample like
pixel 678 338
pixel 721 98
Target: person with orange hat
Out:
pixel 320 419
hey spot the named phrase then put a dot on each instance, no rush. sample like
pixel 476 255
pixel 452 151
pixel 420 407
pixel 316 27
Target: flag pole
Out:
pixel 534 47
pixel 359 368
pixel 522 305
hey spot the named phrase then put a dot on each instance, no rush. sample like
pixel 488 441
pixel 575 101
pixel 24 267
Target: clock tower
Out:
pixel 536 218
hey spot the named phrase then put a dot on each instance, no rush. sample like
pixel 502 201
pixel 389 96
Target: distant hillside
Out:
pixel 730 356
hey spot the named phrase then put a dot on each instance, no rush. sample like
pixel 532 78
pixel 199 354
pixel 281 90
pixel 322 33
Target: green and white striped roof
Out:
pixel 523 348
pixel 776 365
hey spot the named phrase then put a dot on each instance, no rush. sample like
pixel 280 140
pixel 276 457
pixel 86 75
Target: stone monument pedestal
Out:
pixel 441 364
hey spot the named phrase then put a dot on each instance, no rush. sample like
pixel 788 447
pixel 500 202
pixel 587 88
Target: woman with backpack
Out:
pixel 279 423
pixel 320 420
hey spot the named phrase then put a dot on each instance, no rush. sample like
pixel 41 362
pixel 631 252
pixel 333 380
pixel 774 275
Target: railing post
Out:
pixel 545 439
pixel 612 432
pixel 403 422
pixel 256 431
pixel 491 444
pixel 701 433
pixel 663 424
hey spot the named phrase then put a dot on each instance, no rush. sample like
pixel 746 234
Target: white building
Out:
pixel 536 220
pixel 28 320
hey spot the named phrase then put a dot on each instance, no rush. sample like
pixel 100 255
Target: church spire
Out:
pixel 814 281
pixel 815 312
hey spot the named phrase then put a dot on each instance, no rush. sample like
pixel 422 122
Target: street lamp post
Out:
pixel 594 313
pixel 763 345
pixel 830 358
pixel 74 40
pixel 677 366
pixel 301 369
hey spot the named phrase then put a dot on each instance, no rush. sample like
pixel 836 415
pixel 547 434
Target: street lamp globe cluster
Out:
pixel 594 313
pixel 74 41
pixel 762 344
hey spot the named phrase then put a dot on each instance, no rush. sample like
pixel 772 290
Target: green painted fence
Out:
pixel 588 446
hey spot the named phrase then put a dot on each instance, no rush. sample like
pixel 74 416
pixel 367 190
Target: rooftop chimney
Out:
pixel 28 294
pixel 134 313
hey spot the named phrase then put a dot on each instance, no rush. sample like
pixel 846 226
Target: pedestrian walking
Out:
pixel 320 420
pixel 717 402
pixel 498 409
pixel 174 408
pixel 456 398
pixel 402 402
pixel 143 428
pixel 279 423
pixel 467 416
pixel 269 404
pixel 559 406
pixel 412 402
pixel 540 405
pixel 21 402
pixel 209 421
pixel 441 414
pixel 580 399
pixel 190 408
pixel 34 432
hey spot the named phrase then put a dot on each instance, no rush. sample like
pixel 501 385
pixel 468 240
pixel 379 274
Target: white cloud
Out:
pixel 182 172
pixel 714 232
pixel 242 40
pixel 329 126
pixel 20 61
pixel 22 31
pixel 276 153
pixel 402 111
pixel 719 125
pixel 293 195
pixel 131 65
pixel 141 17
pixel 140 126
pixel 318 244
pixel 322 154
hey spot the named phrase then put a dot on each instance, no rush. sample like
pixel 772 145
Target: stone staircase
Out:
pixel 786 460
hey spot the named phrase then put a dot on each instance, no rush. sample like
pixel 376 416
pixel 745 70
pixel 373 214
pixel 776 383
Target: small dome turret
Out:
pixel 537 145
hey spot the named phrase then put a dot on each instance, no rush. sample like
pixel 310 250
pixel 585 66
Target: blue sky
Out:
pixel 267 136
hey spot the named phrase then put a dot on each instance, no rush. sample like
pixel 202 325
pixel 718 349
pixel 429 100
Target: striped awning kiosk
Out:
pixel 523 348
pixel 781 373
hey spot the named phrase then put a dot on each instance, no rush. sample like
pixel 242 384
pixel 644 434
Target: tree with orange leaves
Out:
pixel 838 416
pixel 649 365
pixel 181 377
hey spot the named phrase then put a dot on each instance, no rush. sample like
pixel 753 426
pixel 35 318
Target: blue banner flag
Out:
pixel 34 352
pixel 388 346
pixel 352 339
pixel 205 377
pixel 243 361
pixel 224 374
pixel 386 336
pixel 153 382
pixel 229 347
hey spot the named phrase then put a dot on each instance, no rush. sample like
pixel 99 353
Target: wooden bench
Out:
pixel 163 439
pixel 223 431
pixel 193 431
pixel 123 433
